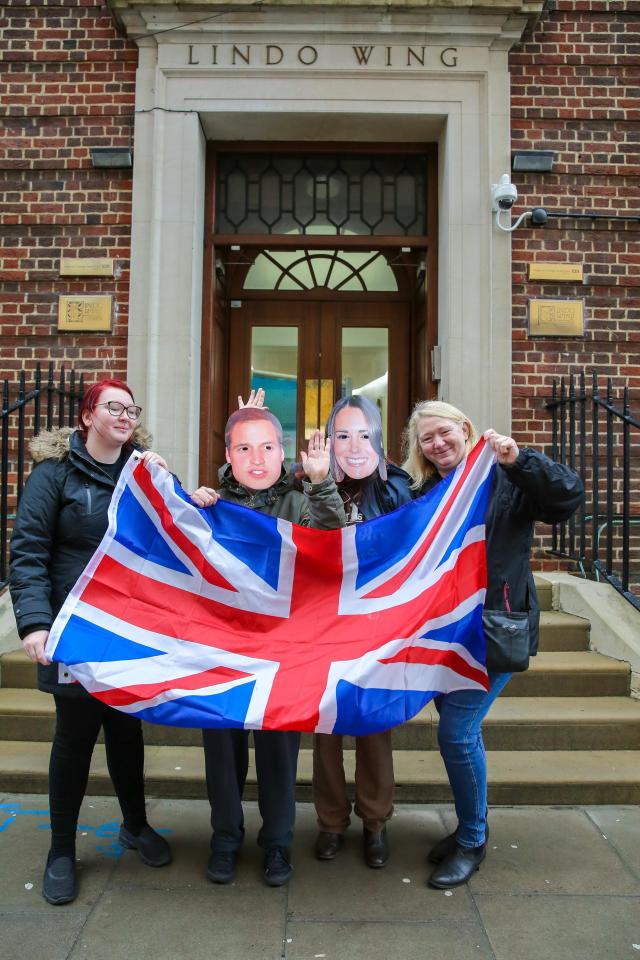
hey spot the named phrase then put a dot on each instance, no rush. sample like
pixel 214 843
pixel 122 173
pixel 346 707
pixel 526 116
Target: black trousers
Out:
pixel 226 754
pixel 78 723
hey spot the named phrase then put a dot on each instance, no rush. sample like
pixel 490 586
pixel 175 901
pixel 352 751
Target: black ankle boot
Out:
pixel 445 847
pixel 458 867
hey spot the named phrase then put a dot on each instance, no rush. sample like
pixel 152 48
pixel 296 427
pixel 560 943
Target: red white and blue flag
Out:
pixel 227 617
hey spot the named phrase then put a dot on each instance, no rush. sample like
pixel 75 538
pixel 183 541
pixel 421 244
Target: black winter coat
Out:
pixel 61 519
pixel 533 488
pixel 375 497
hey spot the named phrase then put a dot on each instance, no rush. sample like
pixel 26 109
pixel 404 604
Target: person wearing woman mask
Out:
pixel 61 519
pixel 370 487
pixel 528 487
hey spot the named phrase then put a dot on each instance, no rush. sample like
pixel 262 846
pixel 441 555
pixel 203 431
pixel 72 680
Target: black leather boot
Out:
pixel 445 847
pixel 376 847
pixel 458 867
pixel 327 845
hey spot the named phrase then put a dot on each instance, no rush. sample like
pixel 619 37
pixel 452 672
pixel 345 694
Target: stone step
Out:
pixel 514 723
pixel 536 723
pixel 16 670
pixel 544 589
pixel 515 777
pixel 571 674
pixel 563 631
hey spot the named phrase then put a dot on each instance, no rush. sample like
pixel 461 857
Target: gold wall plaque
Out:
pixel 555 271
pixel 86 267
pixel 556 318
pixel 79 314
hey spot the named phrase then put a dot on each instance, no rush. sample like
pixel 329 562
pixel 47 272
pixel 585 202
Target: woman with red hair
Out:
pixel 62 517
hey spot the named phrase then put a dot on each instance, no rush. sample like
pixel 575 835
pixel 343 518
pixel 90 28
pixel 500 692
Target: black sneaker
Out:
pixel 277 869
pixel 59 882
pixel 221 867
pixel 152 848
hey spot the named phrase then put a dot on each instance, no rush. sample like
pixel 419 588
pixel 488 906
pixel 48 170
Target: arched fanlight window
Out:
pixel 339 270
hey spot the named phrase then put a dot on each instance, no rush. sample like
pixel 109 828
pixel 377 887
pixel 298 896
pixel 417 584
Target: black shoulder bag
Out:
pixel 507 636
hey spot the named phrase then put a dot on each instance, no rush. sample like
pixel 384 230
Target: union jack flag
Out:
pixel 227 617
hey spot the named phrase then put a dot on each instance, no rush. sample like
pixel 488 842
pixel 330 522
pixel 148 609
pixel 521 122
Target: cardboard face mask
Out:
pixel 352 444
pixel 255 453
pixel 356 440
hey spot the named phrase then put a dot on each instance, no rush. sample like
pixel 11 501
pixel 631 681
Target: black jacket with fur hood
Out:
pixel 61 519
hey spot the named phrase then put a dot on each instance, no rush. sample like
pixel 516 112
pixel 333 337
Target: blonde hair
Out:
pixel 416 464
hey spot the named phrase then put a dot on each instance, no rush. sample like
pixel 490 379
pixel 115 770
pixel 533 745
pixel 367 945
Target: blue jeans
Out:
pixel 462 749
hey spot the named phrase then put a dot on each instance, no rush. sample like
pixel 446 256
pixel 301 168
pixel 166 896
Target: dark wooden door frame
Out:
pixel 218 287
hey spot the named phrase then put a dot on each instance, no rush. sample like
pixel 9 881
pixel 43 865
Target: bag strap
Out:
pixel 505 596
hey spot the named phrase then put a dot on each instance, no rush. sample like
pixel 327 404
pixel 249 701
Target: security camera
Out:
pixel 503 194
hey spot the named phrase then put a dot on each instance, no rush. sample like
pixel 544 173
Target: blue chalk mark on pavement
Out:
pixel 104 831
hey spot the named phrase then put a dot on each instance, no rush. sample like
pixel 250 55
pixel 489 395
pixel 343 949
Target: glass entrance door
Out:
pixel 306 355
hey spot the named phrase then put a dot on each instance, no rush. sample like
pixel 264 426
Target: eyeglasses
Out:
pixel 116 409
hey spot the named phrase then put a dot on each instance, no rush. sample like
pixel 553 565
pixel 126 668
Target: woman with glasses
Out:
pixel 62 517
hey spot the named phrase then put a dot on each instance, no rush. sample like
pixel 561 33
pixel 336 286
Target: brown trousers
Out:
pixel 373 778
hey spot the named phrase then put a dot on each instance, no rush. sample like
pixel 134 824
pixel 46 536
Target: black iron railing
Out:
pixel 51 402
pixel 600 438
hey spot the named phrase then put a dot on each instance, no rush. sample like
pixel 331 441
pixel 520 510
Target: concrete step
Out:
pixel 514 723
pixel 563 632
pixel 536 723
pixel 571 674
pixel 544 590
pixel 515 777
pixel 16 670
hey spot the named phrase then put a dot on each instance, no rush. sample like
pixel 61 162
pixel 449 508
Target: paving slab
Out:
pixel 439 940
pixel 544 852
pixel 561 927
pixel 620 826
pixel 25 841
pixel 53 937
pixel 346 889
pixel 186 827
pixel 144 924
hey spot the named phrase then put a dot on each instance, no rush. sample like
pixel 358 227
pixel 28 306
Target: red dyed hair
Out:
pixel 92 398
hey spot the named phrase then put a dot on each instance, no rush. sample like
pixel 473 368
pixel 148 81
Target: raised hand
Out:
pixel 316 461
pixel 204 497
pixel 255 399
pixel 505 448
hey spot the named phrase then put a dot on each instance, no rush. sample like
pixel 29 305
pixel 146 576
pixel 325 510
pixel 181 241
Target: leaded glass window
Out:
pixel 330 194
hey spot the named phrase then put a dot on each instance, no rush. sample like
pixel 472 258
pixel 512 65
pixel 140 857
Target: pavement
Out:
pixel 559 883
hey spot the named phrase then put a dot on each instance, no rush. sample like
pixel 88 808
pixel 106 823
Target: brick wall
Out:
pixel 575 88
pixel 67 84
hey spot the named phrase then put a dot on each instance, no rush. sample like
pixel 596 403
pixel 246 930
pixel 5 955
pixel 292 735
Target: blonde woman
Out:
pixel 528 487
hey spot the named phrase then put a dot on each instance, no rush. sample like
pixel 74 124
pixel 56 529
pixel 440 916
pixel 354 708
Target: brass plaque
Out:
pixel 79 314
pixel 86 267
pixel 556 318
pixel 555 271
